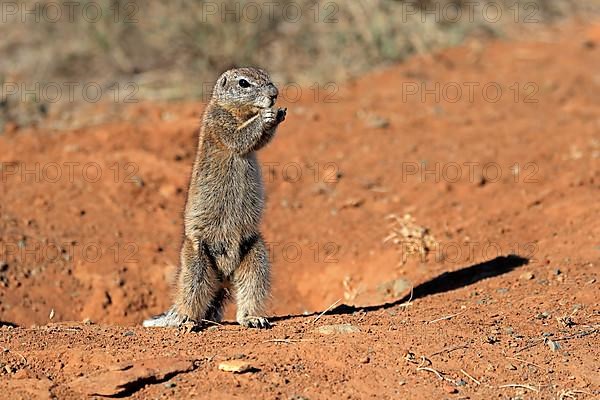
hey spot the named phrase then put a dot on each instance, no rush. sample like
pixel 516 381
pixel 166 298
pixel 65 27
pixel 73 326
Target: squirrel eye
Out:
pixel 244 83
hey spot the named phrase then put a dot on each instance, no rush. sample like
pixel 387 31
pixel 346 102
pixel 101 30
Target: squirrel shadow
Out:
pixel 442 283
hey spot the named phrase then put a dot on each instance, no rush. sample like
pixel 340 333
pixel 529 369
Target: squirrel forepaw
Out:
pixel 269 117
pixel 272 117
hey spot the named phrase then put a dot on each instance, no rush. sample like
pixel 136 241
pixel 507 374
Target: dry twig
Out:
pixel 287 341
pixel 524 361
pixel 449 349
pixel 422 367
pixel 208 321
pixel 408 302
pixel 327 310
pixel 443 318
pixel 570 394
pixel 520 385
pixel 470 377
pixel 577 335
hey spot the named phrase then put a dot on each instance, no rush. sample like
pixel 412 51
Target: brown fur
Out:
pixel 222 244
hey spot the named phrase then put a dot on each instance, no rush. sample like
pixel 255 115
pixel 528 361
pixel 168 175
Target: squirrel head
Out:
pixel 245 87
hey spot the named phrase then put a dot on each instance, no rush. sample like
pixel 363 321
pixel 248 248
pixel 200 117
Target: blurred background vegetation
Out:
pixel 173 50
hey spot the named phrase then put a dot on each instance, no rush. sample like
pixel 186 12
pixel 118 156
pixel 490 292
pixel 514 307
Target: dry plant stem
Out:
pixel 422 367
pixel 287 341
pixel 571 394
pixel 327 310
pixel 446 317
pixel 440 376
pixel 577 335
pixel 449 349
pixel 408 302
pixel 17 353
pixel 211 322
pixel 529 346
pixel 470 377
pixel 523 361
pixel 519 385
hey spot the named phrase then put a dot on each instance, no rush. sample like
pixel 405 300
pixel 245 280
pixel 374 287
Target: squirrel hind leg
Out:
pixel 197 287
pixel 216 307
pixel 198 282
pixel 251 281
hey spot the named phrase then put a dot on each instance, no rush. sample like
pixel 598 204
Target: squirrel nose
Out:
pixel 272 91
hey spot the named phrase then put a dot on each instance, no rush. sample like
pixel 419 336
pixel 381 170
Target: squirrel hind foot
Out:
pixel 255 322
pixel 169 318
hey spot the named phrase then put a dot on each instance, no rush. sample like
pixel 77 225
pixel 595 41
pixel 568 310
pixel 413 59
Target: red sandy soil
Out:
pixel 103 249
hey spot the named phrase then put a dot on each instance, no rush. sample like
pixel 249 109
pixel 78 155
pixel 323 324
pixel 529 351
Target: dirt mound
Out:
pixel 484 151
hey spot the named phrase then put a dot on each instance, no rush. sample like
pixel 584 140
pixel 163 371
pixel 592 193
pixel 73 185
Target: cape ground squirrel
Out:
pixel 222 245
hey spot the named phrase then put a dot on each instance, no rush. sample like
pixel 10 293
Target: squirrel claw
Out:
pixel 281 113
pixel 255 322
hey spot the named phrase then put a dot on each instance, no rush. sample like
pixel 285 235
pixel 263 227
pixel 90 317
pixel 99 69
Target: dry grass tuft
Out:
pixel 410 238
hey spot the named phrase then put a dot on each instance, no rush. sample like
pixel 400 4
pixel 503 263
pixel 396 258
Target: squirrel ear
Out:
pixel 223 82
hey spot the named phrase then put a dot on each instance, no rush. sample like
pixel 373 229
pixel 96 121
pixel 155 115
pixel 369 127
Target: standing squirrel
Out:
pixel 222 246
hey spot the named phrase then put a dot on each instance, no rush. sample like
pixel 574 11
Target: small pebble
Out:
pixel 527 276
pixel 340 328
pixel 235 366
pixel 543 315
pixel 450 389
